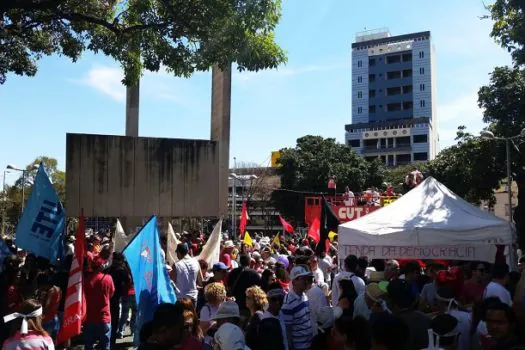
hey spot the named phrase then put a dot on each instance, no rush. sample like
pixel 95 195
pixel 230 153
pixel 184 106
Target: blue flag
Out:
pixel 4 252
pixel 148 269
pixel 41 226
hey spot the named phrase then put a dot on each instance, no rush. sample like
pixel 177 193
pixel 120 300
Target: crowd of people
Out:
pixel 270 296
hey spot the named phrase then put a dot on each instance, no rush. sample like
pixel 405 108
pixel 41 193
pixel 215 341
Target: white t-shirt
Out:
pixel 316 301
pixel 463 327
pixel 494 289
pixel 318 276
pixel 361 308
pixel 208 312
pixel 325 265
pixel 187 270
pixel 359 285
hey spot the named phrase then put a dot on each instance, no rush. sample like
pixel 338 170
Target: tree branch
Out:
pixel 76 17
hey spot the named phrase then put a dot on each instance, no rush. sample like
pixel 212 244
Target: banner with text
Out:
pixel 481 252
pixel 41 226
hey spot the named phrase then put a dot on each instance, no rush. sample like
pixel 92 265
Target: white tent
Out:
pixel 429 222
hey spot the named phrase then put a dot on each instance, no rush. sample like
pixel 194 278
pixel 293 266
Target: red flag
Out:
pixel 75 306
pixel 314 230
pixel 286 226
pixel 244 219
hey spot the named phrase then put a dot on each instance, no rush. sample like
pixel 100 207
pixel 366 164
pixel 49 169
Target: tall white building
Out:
pixel 393 97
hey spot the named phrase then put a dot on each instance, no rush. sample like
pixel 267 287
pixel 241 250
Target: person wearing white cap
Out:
pixel 31 335
pixel 228 313
pixel 295 311
pixel 230 337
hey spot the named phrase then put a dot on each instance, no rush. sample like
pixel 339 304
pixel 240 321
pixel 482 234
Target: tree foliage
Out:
pixel 306 167
pixel 503 104
pixel 508 28
pixel 472 168
pixel 184 36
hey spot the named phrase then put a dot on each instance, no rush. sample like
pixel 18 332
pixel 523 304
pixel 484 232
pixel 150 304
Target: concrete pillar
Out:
pixel 220 128
pixel 132 129
pixel 132 110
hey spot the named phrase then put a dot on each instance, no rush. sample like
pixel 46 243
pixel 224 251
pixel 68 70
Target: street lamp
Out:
pixel 233 177
pixel 23 171
pixel 489 135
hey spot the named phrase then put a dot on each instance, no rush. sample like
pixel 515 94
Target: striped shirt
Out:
pixel 29 341
pixel 296 313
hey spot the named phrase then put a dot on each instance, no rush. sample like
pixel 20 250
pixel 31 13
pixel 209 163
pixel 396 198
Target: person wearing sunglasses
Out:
pixel 474 287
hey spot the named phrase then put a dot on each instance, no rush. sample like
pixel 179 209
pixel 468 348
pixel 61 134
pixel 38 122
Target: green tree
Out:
pixel 503 104
pixel 184 36
pixel 472 168
pixel 306 167
pixel 508 28
pixel 12 195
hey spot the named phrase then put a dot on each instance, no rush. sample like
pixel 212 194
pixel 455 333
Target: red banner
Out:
pixel 314 230
pixel 345 213
pixel 244 219
pixel 75 305
pixel 286 225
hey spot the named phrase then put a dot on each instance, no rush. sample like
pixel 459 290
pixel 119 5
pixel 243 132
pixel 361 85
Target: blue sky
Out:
pixel 270 109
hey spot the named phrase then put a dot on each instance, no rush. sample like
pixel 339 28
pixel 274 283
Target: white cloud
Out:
pixel 285 72
pixel 161 86
pixel 463 110
pixel 107 80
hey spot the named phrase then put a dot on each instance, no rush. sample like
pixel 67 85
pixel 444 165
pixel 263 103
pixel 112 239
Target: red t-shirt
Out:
pixel 99 288
pixel 192 343
pixel 472 291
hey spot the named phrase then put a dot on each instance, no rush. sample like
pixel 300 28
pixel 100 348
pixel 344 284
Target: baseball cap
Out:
pixel 219 267
pixel 228 309
pixel 299 271
pixel 182 248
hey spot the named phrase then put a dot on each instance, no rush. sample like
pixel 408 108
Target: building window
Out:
pixel 371 77
pixel 359 79
pixel 422 70
pixel 359 64
pixel 420 156
pixel 420 138
pixel 371 93
pixel 422 103
pixel 359 110
pixel 372 109
pixel 354 143
pixel 359 94
pixel 421 54
pixel 372 61
pixel 407 89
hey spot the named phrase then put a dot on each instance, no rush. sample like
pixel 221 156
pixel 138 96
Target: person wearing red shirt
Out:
pixel 99 289
pixel 474 287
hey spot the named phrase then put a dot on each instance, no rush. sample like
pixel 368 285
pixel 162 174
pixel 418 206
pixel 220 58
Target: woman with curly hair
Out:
pixel 256 301
pixel 215 294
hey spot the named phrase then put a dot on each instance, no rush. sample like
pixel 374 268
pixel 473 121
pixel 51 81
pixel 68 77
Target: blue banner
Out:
pixel 148 269
pixel 4 252
pixel 41 227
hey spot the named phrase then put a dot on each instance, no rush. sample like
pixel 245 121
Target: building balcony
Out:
pixel 400 148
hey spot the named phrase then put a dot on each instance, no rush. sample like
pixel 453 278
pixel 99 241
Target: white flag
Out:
pixel 120 240
pixel 171 255
pixel 212 249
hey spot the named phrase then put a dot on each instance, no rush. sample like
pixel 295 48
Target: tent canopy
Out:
pixel 429 215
